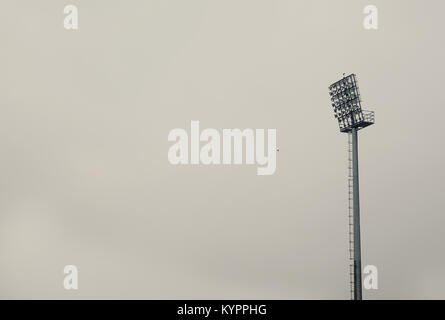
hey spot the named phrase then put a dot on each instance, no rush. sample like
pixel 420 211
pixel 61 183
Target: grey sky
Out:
pixel 85 179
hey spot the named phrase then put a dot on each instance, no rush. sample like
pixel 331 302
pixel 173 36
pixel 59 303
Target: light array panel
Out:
pixel 345 98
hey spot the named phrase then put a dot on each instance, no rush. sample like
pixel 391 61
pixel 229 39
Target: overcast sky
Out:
pixel 85 179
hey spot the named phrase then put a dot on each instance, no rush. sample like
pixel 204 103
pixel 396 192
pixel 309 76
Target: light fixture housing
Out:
pixel 345 100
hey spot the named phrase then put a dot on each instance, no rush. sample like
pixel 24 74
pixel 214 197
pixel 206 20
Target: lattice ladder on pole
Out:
pixel 351 215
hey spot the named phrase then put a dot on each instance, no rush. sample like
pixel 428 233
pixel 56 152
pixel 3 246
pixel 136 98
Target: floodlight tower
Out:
pixel 345 97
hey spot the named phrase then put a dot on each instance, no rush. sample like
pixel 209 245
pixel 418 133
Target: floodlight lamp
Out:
pixel 345 101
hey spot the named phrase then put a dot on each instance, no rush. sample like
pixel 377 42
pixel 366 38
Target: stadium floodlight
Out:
pixel 346 104
pixel 345 100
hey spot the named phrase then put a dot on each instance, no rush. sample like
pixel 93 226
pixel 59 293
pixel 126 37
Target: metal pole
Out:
pixel 356 208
